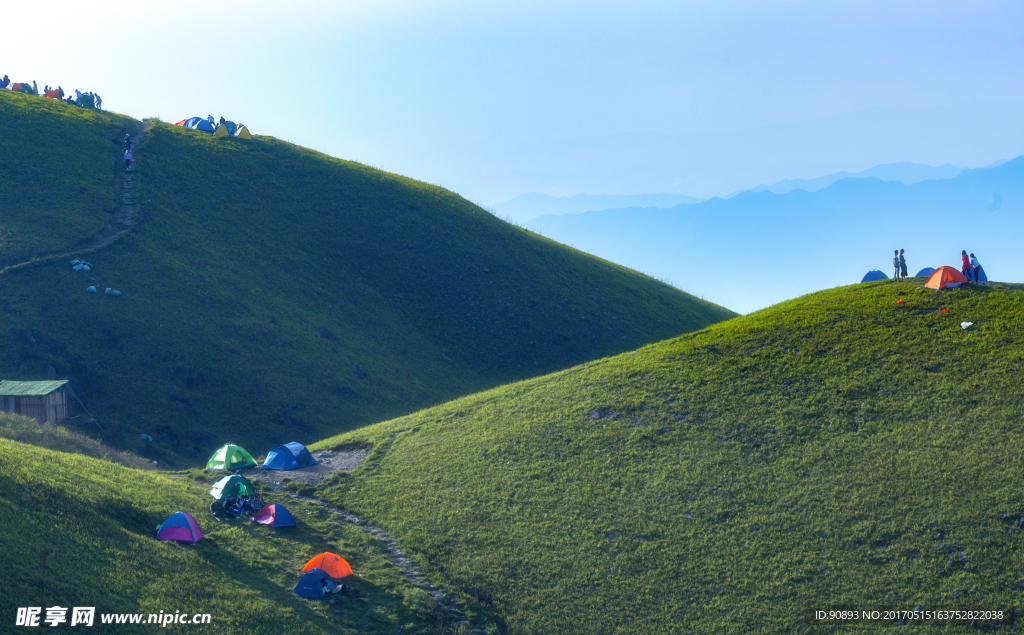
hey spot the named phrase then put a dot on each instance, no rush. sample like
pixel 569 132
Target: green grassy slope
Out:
pixel 840 448
pixel 80 532
pixel 271 293
pixel 58 164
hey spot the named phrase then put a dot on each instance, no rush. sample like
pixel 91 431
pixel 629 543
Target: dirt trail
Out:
pixel 124 215
pixel 331 461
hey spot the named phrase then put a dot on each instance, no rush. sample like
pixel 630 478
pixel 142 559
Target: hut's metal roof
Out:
pixel 29 388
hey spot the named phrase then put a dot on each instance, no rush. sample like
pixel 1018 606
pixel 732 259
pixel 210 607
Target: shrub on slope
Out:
pixel 273 294
pixel 80 532
pixel 840 448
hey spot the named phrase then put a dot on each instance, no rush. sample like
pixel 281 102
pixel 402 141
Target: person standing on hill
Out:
pixel 127 159
pixel 896 264
pixel 975 268
pixel 127 141
pixel 965 267
pixel 99 102
pixel 903 265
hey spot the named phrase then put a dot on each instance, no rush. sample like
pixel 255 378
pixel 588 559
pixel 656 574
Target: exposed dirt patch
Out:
pixel 328 461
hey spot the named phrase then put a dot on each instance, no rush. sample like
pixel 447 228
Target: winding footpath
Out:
pixel 124 215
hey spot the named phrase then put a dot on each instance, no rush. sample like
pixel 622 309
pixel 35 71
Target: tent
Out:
pixel 197 123
pixel 311 585
pixel 230 457
pixel 222 131
pixel 288 457
pixel 871 276
pixel 331 564
pixel 944 277
pixel 180 526
pixel 924 273
pixel 274 515
pixel 242 133
pixel 981 275
pixel 233 485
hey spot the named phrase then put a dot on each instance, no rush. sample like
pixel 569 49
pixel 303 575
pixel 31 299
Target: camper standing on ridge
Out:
pixel 975 268
pixel 966 266
pixel 896 264
pixel 903 265
pixel 99 102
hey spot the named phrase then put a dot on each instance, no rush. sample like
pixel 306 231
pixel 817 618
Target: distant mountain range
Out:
pixel 757 248
pixel 527 206
pixel 903 171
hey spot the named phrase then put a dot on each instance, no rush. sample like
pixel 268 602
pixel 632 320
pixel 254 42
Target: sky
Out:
pixel 496 99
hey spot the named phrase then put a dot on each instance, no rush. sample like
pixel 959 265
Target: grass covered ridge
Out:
pixel 274 294
pixel 840 448
pixel 58 163
pixel 80 532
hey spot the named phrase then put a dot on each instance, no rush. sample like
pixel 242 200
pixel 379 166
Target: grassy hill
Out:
pixel 271 293
pixel 78 531
pixel 843 448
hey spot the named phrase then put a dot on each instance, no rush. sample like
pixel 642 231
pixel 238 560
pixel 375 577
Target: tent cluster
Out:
pixel 289 456
pixel 223 129
pixel 84 100
pixel 941 278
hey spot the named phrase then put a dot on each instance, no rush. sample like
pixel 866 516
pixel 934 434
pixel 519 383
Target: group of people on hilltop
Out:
pixel 84 100
pixel 970 265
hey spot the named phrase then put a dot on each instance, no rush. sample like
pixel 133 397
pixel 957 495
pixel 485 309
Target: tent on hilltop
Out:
pixel 197 123
pixel 945 277
pixel 221 131
pixel 274 515
pixel 180 526
pixel 330 563
pixel 924 273
pixel 873 275
pixel 289 456
pixel 311 585
pixel 232 486
pixel 981 275
pixel 242 133
pixel 230 457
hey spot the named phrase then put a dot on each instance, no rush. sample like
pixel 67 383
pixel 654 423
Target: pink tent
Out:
pixel 180 526
pixel 274 515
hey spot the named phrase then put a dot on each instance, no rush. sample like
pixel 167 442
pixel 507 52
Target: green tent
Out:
pixel 230 457
pixel 232 486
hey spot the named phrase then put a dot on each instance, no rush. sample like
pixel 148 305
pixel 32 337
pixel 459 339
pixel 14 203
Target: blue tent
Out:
pixel 288 457
pixel 199 124
pixel 981 275
pixel 924 273
pixel 311 584
pixel 871 276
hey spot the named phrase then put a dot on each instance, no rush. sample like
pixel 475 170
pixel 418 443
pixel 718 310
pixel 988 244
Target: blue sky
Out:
pixel 500 98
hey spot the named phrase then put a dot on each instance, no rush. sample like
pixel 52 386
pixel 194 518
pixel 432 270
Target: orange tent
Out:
pixel 331 564
pixel 945 277
pixel 53 94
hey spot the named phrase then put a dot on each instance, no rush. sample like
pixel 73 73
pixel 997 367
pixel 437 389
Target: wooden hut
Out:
pixel 42 400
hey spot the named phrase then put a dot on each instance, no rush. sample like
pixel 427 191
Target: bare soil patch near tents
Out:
pixel 328 461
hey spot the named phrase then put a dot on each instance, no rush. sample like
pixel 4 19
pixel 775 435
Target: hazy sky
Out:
pixel 495 99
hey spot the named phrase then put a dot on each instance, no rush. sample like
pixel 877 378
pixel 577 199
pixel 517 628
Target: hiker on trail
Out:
pixel 903 265
pixel 127 159
pixel 127 141
pixel 896 264
pixel 966 266
pixel 975 268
